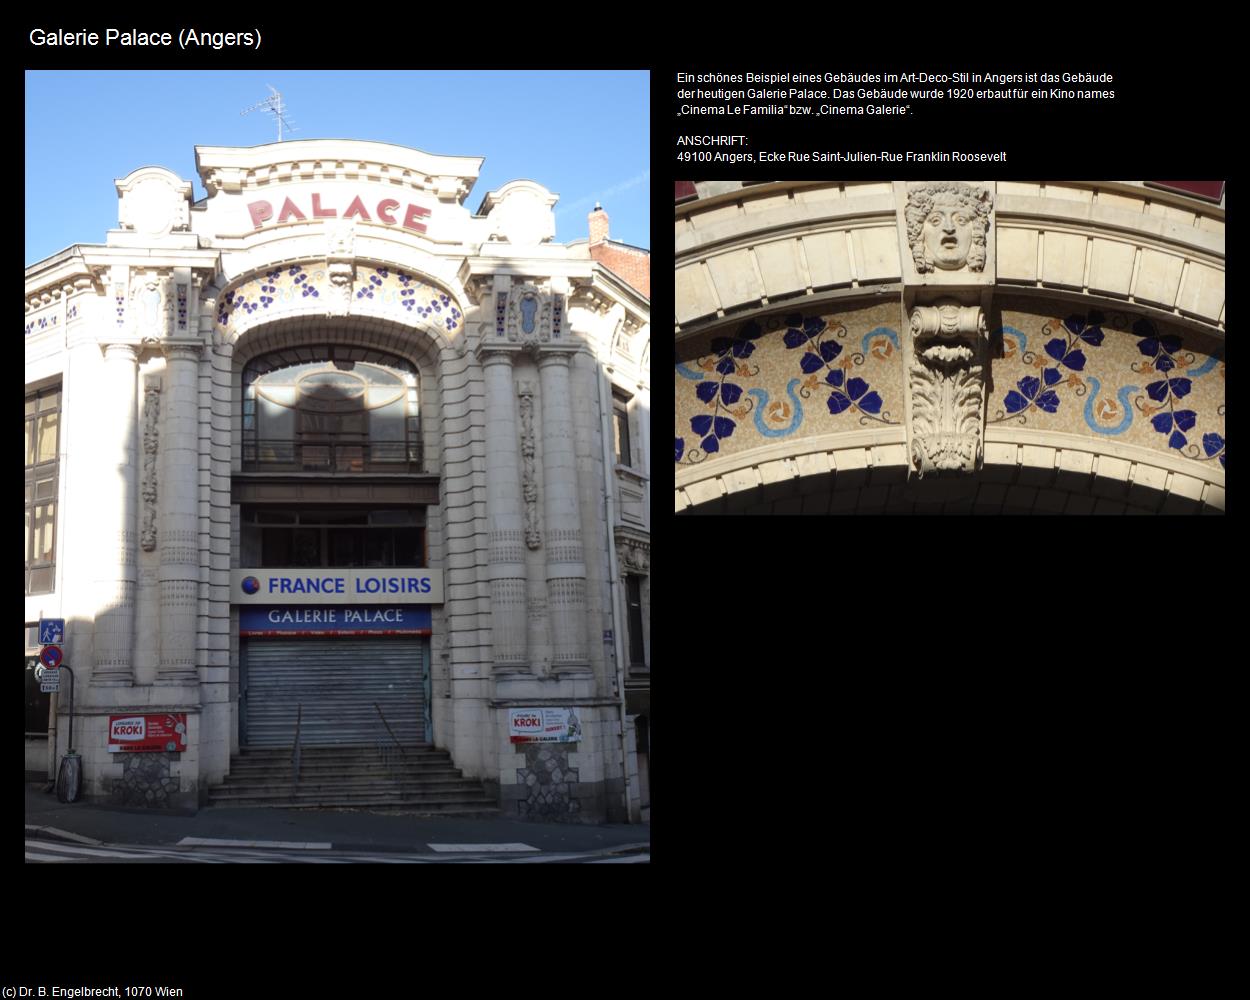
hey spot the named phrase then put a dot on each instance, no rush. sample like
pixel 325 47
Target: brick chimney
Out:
pixel 598 225
pixel 631 263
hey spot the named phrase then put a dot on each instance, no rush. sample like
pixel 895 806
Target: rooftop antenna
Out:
pixel 273 104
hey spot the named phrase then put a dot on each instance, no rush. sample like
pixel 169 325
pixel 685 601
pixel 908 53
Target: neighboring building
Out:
pixel 329 424
pixel 950 347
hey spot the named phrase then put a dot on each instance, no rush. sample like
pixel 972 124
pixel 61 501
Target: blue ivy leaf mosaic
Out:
pixel 723 380
pixel 1178 387
pixel 1040 392
pixel 1087 328
pixel 1058 349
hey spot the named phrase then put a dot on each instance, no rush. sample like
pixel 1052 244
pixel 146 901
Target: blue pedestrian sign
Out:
pixel 51 630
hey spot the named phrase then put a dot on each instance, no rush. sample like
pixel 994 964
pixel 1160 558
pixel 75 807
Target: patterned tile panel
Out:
pixel 1109 373
pixel 788 375
pixel 385 289
pixel 41 321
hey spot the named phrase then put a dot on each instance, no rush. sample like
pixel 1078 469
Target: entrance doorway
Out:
pixel 337 686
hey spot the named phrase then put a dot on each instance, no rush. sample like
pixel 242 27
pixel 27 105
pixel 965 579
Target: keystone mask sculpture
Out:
pixel 946 225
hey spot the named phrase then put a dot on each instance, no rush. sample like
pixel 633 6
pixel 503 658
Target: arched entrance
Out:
pixel 336 460
pixel 1025 472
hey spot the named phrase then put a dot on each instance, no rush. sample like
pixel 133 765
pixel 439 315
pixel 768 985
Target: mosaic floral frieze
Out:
pixel 401 290
pixel 382 289
pixel 1114 375
pixel 37 324
pixel 272 292
pixel 786 375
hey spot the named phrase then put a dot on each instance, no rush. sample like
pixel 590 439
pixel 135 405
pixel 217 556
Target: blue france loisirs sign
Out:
pixel 365 619
pixel 397 585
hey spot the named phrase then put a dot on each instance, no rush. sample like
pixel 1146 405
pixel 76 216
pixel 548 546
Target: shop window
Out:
pixel 43 420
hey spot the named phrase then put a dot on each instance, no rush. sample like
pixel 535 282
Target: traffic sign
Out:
pixel 50 682
pixel 51 630
pixel 51 656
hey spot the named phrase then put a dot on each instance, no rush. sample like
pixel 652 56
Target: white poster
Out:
pixel 544 725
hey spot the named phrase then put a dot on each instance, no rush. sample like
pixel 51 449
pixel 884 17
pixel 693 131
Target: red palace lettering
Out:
pixel 262 212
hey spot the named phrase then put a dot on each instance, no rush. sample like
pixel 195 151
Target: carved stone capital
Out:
pixel 342 275
pixel 946 352
pixel 184 351
pixel 120 351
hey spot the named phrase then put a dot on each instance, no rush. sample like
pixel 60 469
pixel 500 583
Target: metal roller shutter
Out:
pixel 337 681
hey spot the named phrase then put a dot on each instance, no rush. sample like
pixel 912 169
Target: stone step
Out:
pixel 433 769
pixel 419 786
pixel 426 779
pixel 312 797
pixel 324 750
pixel 407 808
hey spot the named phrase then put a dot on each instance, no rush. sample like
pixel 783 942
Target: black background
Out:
pixel 891 709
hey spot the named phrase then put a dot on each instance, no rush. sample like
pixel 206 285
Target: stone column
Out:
pixel 566 569
pixel 79 418
pixel 178 531
pixel 503 507
pixel 114 496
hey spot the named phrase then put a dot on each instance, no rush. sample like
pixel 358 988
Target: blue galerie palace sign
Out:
pixel 352 619
pixel 324 587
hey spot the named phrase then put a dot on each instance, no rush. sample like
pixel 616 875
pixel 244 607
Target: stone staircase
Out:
pixel 424 781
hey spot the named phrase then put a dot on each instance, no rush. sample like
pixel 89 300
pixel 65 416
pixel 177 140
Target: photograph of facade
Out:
pixel 335 451
pixel 950 347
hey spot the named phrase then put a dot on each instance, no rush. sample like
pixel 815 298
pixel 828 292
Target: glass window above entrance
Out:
pixel 330 409
pixel 344 537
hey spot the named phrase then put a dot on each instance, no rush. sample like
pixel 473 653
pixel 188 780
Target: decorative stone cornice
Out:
pixel 55 293
pixel 233 169
pixel 633 553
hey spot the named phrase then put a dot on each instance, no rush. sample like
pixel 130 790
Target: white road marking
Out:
pixel 63 834
pixel 67 849
pixel 480 848
pixel 540 859
pixel 281 844
pixel 622 861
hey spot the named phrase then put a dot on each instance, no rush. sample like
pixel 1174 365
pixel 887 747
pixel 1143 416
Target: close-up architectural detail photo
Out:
pixel 950 346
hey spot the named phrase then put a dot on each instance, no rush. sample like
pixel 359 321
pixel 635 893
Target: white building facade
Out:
pixel 329 420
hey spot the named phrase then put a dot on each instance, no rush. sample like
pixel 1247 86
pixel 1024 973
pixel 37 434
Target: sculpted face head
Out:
pixel 947 233
pixel 946 226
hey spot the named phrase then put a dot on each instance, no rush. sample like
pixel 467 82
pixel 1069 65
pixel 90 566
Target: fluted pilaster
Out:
pixel 504 509
pixel 566 568
pixel 115 493
pixel 178 534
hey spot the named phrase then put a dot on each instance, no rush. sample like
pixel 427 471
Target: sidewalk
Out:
pixel 343 829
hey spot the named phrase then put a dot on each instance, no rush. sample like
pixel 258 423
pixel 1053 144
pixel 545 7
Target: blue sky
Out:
pixel 584 135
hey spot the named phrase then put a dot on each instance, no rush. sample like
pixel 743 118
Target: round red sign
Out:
pixel 51 656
